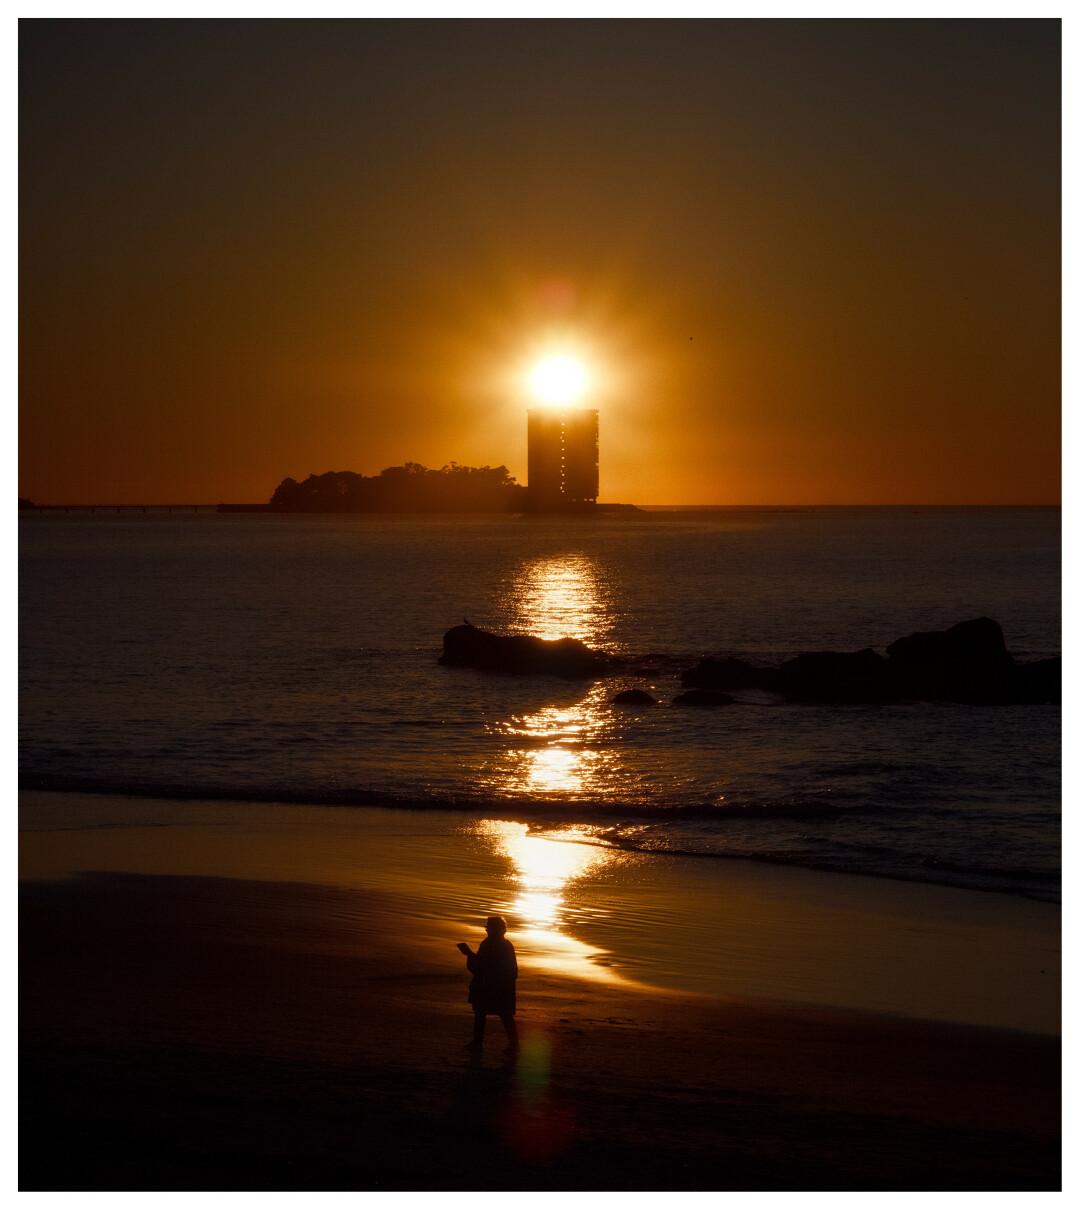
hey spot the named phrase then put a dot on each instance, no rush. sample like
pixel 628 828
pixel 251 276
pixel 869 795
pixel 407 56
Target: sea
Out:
pixel 254 657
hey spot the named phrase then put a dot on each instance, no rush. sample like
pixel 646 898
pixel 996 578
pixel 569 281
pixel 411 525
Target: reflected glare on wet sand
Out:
pixel 543 869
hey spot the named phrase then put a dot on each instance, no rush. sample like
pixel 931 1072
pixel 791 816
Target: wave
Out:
pixel 794 807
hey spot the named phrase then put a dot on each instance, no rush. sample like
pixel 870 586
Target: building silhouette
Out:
pixel 564 458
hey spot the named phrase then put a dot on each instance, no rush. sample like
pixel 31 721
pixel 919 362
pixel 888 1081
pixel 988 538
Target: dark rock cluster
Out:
pixel 966 663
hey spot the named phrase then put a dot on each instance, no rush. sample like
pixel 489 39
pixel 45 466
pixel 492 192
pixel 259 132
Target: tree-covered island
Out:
pixel 411 488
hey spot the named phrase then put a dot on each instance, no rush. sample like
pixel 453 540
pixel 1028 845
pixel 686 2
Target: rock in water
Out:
pixel 966 663
pixel 729 674
pixel 521 654
pixel 633 697
pixel 1038 683
pixel 836 676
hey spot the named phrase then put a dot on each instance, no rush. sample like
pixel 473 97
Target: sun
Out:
pixel 558 378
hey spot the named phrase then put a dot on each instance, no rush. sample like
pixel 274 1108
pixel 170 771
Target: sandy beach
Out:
pixel 249 996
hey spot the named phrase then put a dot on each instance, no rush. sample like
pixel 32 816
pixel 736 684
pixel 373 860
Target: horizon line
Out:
pixel 202 504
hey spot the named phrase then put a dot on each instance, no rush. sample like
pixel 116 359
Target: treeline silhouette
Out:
pixel 411 488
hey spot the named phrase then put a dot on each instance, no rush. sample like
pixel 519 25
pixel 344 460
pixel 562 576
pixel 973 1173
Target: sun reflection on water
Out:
pixel 553 769
pixel 558 751
pixel 560 596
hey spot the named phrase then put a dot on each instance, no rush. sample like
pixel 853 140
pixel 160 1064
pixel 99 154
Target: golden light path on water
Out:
pixel 560 596
pixel 555 753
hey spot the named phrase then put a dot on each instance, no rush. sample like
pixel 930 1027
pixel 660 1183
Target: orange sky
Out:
pixel 813 261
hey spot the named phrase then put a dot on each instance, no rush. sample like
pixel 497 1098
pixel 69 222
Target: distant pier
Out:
pixel 118 508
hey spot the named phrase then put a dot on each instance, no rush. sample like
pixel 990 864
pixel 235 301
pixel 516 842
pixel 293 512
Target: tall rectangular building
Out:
pixel 581 455
pixel 564 457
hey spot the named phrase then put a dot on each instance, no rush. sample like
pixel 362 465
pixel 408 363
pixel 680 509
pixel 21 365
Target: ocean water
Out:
pixel 294 659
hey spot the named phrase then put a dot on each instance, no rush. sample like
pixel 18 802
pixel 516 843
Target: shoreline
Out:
pixel 570 814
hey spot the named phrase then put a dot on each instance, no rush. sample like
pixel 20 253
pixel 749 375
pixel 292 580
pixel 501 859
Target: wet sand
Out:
pixel 271 1000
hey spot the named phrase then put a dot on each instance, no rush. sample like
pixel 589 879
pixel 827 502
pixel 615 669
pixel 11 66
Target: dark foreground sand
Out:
pixel 190 1032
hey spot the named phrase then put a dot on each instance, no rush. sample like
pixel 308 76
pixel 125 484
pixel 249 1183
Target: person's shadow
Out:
pixel 481 1101
pixel 510 1114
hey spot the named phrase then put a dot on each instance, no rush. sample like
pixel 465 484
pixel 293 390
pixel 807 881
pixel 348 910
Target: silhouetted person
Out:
pixel 494 973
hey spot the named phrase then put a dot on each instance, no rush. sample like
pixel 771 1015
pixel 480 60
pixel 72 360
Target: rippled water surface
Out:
pixel 295 658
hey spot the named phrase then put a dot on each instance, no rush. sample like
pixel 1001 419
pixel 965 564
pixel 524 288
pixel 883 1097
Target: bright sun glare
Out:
pixel 558 378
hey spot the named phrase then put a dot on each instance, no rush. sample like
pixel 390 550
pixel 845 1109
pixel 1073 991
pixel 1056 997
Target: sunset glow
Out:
pixel 864 340
pixel 558 378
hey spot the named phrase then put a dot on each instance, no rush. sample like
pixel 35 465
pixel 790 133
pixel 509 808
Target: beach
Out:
pixel 256 996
